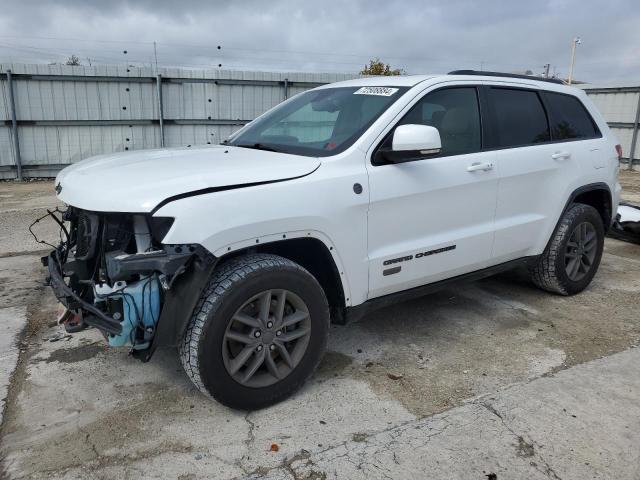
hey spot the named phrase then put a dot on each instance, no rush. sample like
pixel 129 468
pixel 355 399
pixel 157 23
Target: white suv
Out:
pixel 339 200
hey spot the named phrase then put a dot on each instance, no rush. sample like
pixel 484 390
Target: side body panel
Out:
pixel 607 157
pixel 322 205
pixel 444 204
pixel 536 182
pixel 429 219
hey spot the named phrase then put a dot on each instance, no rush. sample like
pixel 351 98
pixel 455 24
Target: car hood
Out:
pixel 139 181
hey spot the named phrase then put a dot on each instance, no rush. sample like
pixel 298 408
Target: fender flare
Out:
pixel 590 187
pixel 290 235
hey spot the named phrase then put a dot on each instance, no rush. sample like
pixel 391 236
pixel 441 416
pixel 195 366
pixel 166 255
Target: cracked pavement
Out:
pixel 560 426
pixel 491 380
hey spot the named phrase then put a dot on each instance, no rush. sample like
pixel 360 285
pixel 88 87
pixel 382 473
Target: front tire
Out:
pixel 573 255
pixel 258 332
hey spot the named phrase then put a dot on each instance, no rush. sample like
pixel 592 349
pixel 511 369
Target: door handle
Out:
pixel 474 167
pixel 561 155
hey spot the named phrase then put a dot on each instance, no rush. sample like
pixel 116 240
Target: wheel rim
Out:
pixel 266 338
pixel 580 251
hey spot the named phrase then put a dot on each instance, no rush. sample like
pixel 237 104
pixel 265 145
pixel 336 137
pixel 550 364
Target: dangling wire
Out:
pixel 50 213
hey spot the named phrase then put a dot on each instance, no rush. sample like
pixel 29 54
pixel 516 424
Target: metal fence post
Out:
pixel 286 88
pixel 634 137
pixel 160 112
pixel 14 126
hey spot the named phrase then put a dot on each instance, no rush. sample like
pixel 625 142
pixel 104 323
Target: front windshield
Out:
pixel 318 123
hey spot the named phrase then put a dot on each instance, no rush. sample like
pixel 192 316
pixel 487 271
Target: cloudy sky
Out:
pixel 420 36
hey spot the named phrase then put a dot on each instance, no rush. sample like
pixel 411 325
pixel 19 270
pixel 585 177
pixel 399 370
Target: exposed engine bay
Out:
pixel 112 272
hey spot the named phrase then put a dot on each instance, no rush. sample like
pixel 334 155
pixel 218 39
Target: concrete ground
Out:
pixel 491 380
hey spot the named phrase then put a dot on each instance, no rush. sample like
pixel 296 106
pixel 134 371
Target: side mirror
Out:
pixel 412 142
pixel 420 138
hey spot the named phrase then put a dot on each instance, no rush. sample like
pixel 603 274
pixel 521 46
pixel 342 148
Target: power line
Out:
pixel 76 39
pixel 208 46
pixel 424 61
pixel 365 56
pixel 223 59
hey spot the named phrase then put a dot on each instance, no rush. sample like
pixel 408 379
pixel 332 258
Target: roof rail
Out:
pixel 507 75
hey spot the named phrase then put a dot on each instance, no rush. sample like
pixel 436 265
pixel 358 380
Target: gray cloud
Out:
pixel 419 36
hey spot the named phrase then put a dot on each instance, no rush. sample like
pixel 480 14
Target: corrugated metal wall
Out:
pixel 66 114
pixel 620 105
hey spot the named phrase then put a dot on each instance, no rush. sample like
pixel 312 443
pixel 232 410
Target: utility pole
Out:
pixel 14 126
pixel 155 56
pixel 546 70
pixel 576 41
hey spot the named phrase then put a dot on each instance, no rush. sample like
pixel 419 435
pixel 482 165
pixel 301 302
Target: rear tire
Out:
pixel 573 255
pixel 258 332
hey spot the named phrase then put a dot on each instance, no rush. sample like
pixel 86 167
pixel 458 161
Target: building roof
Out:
pixel 629 85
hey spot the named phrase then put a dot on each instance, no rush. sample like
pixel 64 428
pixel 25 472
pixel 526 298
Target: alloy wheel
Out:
pixel 266 338
pixel 580 251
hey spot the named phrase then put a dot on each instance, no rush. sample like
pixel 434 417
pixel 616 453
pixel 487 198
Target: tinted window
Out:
pixel 569 118
pixel 519 118
pixel 454 112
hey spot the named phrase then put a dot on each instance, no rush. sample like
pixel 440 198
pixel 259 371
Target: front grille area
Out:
pixel 118 232
pixel 84 225
pixel 86 235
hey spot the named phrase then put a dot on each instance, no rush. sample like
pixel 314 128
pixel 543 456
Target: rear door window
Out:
pixel 519 118
pixel 569 118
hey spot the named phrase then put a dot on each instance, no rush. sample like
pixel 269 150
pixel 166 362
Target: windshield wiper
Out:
pixel 257 146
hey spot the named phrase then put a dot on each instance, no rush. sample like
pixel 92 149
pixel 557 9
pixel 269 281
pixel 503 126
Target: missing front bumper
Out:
pixel 142 300
pixel 70 299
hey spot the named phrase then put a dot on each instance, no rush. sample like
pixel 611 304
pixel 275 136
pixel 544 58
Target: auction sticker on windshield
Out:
pixel 381 91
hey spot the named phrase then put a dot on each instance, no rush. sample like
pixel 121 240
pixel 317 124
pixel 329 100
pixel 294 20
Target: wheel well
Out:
pixel 600 199
pixel 313 255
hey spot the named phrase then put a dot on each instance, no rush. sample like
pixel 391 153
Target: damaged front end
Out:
pixel 112 272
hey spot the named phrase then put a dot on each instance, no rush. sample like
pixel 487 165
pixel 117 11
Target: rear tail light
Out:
pixel 619 152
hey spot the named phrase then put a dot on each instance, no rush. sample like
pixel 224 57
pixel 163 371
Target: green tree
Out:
pixel 378 67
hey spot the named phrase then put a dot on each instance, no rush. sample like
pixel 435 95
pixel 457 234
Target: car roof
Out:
pixel 383 81
pixel 413 80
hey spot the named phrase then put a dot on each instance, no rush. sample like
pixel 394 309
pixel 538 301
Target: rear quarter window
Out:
pixel 569 118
